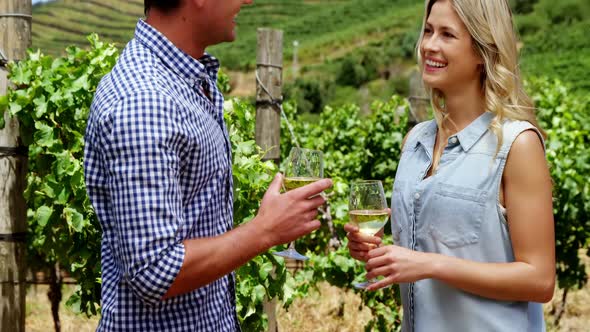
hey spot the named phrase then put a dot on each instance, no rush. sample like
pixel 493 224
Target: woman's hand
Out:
pixel 397 265
pixel 359 244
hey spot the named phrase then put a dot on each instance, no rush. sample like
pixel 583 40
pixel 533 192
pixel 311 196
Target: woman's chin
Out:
pixel 431 82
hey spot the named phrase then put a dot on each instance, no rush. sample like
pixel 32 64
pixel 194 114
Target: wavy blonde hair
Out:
pixel 489 23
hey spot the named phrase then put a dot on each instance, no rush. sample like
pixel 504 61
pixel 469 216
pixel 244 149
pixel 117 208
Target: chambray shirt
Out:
pixel 456 212
pixel 158 171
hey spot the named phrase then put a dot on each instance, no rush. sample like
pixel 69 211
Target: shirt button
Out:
pixel 453 140
pixel 417 196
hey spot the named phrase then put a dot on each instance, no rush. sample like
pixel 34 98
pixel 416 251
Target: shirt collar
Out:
pixel 474 131
pixel 188 68
pixel 466 137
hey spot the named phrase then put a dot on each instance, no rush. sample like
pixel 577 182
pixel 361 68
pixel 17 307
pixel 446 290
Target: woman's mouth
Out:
pixel 434 65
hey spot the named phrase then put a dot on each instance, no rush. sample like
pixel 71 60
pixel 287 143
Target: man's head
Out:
pixel 163 5
pixel 193 25
pixel 220 18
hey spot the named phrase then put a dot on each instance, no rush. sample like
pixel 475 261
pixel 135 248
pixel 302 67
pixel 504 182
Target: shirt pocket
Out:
pixel 397 211
pixel 457 215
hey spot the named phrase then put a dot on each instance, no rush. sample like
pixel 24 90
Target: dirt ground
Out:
pixel 316 313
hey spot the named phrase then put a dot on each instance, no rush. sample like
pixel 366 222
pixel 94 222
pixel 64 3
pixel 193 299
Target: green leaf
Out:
pixel 44 135
pixel 14 108
pixel 74 219
pixel 43 214
pixel 63 197
pixel 75 303
pixel 81 83
pixel 41 106
pixel 21 75
pixel 265 269
pixel 3 103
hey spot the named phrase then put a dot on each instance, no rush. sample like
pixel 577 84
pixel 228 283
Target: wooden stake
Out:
pixel 269 89
pixel 269 69
pixel 15 38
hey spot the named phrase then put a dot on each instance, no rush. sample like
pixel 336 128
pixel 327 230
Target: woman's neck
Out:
pixel 462 107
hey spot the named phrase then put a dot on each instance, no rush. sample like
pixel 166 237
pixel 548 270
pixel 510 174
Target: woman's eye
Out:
pixel 448 35
pixel 427 30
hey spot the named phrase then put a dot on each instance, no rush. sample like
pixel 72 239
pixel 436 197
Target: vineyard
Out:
pixel 346 46
pixel 66 232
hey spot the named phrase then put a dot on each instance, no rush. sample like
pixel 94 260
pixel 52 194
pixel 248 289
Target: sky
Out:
pixel 38 1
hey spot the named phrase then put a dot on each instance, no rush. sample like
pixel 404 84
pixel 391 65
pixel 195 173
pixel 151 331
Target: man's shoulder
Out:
pixel 138 73
pixel 137 68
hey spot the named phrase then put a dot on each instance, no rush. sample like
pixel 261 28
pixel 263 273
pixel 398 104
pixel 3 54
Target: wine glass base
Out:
pixel 292 254
pixel 363 285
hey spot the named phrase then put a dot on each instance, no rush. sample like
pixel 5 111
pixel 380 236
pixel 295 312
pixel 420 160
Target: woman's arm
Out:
pixel 528 200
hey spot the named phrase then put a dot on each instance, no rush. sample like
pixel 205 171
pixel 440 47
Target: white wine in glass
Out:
pixel 295 182
pixel 368 211
pixel 369 222
pixel 304 166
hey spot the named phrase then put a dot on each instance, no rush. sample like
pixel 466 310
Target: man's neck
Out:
pixel 178 29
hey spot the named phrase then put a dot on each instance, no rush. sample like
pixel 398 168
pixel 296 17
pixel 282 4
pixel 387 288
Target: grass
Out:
pixel 329 309
pixel 39 318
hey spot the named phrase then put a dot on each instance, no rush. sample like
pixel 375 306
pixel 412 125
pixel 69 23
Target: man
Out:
pixel 158 172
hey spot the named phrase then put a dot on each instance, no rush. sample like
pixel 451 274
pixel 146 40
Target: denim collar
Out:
pixel 466 137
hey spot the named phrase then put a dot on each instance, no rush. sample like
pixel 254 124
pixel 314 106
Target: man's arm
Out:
pixel 282 218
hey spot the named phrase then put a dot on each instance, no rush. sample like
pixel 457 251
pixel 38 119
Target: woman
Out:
pixel 471 209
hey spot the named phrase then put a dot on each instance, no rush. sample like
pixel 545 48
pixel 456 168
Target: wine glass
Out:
pixel 368 211
pixel 304 166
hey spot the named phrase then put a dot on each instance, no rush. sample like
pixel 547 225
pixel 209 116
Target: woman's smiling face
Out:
pixel 449 59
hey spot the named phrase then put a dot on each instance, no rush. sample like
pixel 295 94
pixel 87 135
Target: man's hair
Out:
pixel 164 5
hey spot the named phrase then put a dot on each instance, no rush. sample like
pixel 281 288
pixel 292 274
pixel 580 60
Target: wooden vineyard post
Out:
pixel 269 91
pixel 15 38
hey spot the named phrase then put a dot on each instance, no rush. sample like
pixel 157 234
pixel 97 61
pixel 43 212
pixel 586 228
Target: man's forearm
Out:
pixel 208 259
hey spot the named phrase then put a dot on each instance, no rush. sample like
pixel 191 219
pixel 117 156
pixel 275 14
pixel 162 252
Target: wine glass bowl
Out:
pixel 304 166
pixel 368 211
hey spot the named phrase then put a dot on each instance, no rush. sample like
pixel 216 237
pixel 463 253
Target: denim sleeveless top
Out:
pixel 456 212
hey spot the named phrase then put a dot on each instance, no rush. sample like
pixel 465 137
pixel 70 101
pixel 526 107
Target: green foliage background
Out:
pixel 51 98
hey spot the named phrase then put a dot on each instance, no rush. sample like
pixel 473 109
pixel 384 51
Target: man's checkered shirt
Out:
pixel 158 171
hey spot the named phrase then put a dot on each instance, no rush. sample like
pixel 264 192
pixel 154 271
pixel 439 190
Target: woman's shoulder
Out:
pixel 521 133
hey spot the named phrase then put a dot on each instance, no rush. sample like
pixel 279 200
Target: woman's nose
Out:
pixel 430 44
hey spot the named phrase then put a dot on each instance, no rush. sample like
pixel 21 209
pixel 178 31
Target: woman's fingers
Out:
pixel 360 237
pixel 381 284
pixel 361 246
pixel 351 228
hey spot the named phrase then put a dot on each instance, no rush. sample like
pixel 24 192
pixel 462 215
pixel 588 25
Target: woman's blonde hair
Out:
pixel 489 23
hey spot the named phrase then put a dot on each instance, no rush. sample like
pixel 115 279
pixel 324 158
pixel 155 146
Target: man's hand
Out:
pixel 288 216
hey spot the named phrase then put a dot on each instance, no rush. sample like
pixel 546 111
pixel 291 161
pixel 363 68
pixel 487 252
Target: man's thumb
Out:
pixel 276 184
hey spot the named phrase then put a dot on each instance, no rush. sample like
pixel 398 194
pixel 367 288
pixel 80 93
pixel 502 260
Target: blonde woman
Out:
pixel 472 212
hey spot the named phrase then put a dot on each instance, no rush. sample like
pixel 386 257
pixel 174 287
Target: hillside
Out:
pixel 374 37
pixel 321 27
pixel 67 22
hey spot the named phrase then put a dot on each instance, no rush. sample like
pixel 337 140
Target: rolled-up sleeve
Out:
pixel 143 144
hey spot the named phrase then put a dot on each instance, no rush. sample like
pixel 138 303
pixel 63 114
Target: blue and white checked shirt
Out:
pixel 158 171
